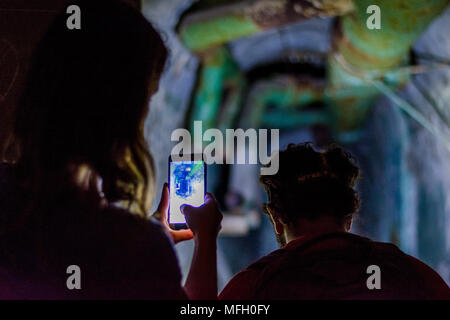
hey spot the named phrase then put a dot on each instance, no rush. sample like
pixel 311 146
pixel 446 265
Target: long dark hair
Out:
pixel 85 103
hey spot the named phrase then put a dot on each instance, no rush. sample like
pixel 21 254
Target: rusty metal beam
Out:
pixel 217 23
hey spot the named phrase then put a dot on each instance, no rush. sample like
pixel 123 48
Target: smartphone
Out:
pixel 187 185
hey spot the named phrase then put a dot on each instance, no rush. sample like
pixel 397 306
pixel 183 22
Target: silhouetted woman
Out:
pixel 81 159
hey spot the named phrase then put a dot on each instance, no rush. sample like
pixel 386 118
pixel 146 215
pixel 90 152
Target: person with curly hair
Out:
pixel 312 203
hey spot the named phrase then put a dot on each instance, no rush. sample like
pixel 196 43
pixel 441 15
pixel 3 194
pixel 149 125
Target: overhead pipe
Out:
pixel 212 23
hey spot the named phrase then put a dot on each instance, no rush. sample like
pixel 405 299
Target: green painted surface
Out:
pixel 292 119
pixel 359 53
pixel 362 51
pixel 218 71
pixel 290 97
pixel 284 97
pixel 204 34
pixel 402 22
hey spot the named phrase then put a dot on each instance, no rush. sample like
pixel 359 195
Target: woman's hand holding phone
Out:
pixel 204 221
pixel 161 216
pixel 205 224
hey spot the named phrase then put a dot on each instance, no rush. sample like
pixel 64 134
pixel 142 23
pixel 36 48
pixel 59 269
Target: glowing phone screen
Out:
pixel 187 186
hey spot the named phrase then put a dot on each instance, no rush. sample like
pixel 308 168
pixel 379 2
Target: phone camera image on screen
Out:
pixel 187 186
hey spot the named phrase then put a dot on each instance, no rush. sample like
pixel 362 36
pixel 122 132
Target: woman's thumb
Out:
pixel 185 209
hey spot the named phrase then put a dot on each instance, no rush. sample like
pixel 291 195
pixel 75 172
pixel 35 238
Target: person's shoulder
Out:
pixel 389 253
pixel 434 283
pixel 114 236
pixel 135 251
pixel 430 282
pixel 267 260
pixel 133 229
pixel 241 286
pixel 124 216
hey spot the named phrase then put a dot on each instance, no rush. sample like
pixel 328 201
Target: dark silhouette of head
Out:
pixel 86 101
pixel 312 187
